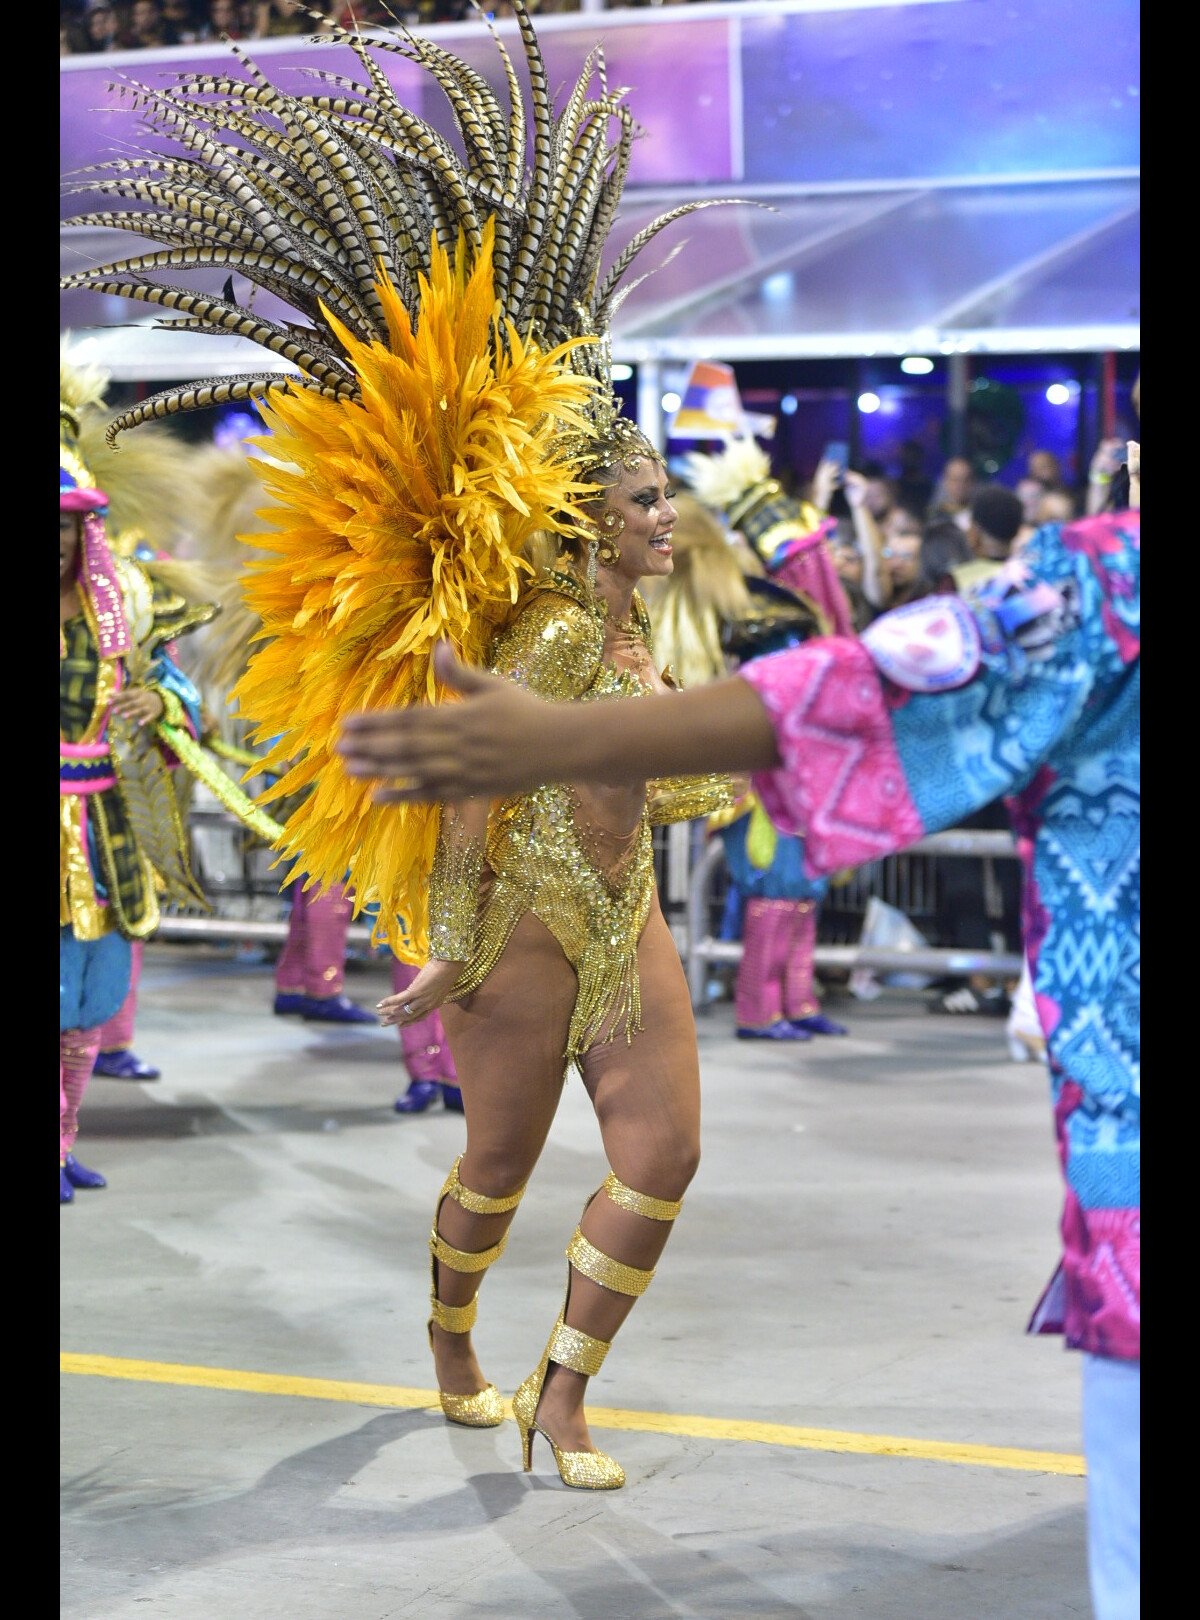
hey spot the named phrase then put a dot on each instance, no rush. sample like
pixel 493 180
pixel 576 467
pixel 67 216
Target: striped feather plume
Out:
pixel 317 197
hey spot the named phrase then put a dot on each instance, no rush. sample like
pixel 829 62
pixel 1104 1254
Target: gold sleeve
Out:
pixel 683 798
pixel 454 888
pixel 552 648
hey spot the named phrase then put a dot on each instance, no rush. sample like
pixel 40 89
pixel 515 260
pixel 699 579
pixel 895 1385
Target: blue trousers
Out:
pixel 93 978
pixel 1112 1442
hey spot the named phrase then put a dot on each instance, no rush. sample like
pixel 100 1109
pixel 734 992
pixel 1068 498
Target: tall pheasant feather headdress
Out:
pixel 451 373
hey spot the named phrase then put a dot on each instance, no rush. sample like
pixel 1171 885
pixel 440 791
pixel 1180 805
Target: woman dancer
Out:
pixel 452 399
pixel 548 941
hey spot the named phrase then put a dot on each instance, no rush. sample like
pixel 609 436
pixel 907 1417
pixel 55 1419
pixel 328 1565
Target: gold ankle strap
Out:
pixel 464 1259
pixel 576 1350
pixel 654 1209
pixel 477 1203
pixel 603 1269
pixel 454 1318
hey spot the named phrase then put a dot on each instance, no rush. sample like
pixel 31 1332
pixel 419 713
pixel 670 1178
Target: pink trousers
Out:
pixel 77 1049
pixel 775 979
pixel 314 959
pixel 117 1034
pixel 426 1050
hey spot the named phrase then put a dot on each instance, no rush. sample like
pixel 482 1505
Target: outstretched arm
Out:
pixel 502 740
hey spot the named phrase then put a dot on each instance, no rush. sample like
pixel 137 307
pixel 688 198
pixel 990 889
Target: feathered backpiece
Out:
pixel 705 591
pixel 451 371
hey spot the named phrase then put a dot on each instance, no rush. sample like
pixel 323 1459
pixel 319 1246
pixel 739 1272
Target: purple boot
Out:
pixel 781 1030
pixel 79 1175
pixel 422 1094
pixel 66 1193
pixel 335 1010
pixel 124 1065
pixel 818 1024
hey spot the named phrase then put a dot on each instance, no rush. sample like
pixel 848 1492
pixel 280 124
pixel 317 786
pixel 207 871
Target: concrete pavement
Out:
pixel 871 1224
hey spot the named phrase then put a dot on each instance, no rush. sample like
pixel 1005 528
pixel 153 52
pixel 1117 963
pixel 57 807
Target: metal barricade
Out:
pixel 905 881
pixel 890 881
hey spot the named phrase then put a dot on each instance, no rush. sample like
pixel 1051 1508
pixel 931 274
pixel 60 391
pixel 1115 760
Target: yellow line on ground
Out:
pixel 601 1417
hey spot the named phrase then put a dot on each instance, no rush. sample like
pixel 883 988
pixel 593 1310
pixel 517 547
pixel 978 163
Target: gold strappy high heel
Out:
pixel 571 1348
pixel 485 1408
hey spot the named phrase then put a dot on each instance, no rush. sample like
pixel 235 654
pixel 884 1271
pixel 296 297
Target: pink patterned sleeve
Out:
pixel 841 786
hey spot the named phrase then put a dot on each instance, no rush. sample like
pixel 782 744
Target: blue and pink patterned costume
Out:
pixel 1030 689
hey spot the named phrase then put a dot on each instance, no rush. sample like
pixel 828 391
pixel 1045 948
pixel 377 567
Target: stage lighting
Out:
pixel 868 403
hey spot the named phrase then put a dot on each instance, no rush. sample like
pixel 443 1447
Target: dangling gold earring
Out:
pixel 613 525
pixel 593 548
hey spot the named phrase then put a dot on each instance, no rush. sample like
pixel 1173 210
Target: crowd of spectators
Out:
pixel 902 536
pixel 88 26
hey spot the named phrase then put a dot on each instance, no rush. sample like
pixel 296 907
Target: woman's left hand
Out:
pixel 424 995
pixel 141 704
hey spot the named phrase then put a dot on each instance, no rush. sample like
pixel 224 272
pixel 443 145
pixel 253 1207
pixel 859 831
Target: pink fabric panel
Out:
pixel 117 1034
pixel 766 942
pixel 98 576
pixel 810 571
pixel 77 1050
pixel 841 786
pixel 799 992
pixel 427 1054
pixel 1102 1269
pixel 314 959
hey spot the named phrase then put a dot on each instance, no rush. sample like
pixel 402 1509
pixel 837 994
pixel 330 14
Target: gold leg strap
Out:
pixel 454 1318
pixel 654 1209
pixel 477 1203
pixel 570 1347
pixel 465 1259
pixel 603 1269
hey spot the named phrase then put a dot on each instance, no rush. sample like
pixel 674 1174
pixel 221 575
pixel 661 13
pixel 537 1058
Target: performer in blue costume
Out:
pixel 1028 688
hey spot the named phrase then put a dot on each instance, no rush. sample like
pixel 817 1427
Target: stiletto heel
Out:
pixel 582 1470
pixel 485 1408
pixel 577 1351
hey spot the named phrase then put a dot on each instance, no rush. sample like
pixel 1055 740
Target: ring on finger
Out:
pixel 406 1009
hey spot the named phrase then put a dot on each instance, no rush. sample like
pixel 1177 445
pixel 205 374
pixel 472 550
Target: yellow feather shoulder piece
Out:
pixel 398 520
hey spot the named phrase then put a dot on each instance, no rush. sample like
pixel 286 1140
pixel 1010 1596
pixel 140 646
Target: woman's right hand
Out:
pixel 428 990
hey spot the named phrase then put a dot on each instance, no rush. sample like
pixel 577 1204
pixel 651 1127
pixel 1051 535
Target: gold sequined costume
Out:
pixel 545 851
pixel 450 402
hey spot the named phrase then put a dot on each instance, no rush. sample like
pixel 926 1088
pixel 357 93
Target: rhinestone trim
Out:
pixel 603 1269
pixel 654 1209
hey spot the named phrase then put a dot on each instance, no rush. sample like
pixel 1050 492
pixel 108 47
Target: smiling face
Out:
pixel 643 500
pixel 68 545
